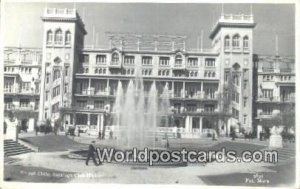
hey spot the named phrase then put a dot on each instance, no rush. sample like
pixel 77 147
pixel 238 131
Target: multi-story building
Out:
pixel 22 70
pixel 209 88
pixel 79 82
pixel 274 89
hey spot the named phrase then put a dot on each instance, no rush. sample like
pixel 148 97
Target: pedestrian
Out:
pixel 99 135
pixel 91 154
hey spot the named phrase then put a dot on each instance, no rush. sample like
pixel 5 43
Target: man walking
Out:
pixel 91 154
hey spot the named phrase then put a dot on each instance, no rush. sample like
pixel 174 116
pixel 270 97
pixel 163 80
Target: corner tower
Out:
pixel 232 37
pixel 63 39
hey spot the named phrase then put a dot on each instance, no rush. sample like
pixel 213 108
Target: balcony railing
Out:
pixel 114 64
pixel 20 107
pixel 277 99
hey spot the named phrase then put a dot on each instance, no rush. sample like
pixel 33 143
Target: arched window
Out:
pixel 68 38
pixel 246 42
pixel 49 37
pixel 96 70
pixel 236 41
pixel 178 60
pixel 227 42
pixel 104 71
pixel 56 75
pixel 213 74
pixel 115 57
pixel 58 37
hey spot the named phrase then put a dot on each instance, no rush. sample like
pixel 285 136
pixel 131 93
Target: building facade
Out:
pixel 274 91
pixel 208 88
pixel 22 75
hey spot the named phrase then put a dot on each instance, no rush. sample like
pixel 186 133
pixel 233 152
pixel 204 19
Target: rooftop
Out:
pixel 229 20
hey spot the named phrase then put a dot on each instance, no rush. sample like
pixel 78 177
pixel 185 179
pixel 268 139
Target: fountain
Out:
pixel 136 114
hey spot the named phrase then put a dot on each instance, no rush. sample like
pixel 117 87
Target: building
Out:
pixel 209 88
pixel 274 89
pixel 22 73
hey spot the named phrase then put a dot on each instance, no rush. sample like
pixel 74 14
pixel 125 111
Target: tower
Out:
pixel 63 39
pixel 232 37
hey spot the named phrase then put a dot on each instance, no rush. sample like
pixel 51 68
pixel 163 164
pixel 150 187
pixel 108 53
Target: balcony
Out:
pixel 268 99
pixel 92 92
pixel 268 69
pixel 179 66
pixel 200 95
pixel 24 107
pixel 115 64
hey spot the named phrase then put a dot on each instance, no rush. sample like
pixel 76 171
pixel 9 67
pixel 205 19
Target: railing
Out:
pixel 266 69
pixel 235 18
pixel 52 12
pixel 20 107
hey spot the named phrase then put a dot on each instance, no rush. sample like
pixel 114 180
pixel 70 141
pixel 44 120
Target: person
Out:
pixel 91 154
pixel 99 135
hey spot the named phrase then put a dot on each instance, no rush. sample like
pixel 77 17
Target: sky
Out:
pixel 23 24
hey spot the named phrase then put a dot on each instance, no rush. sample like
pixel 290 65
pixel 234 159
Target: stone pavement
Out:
pixel 120 173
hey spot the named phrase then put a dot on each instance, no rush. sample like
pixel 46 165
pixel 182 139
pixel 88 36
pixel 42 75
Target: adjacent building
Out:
pixel 22 75
pixel 274 89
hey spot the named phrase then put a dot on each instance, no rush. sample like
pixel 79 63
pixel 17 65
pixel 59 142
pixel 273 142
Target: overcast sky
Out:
pixel 23 21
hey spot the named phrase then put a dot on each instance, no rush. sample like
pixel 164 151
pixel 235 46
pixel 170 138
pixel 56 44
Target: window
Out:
pixel 164 61
pixel 58 37
pixel 245 101
pixel 56 75
pixel 82 103
pixel 100 86
pixel 25 86
pixel 129 60
pixel 147 60
pixel 246 74
pixel 245 84
pixel 115 58
pixel 66 70
pixel 267 110
pixel 24 102
pixel 47 78
pixel 236 41
pixel 267 93
pixel 209 108
pixel 191 107
pixel 68 38
pixel 178 60
pixel 66 89
pixel 246 42
pixel 55 107
pixel 227 75
pixel 237 97
pixel 85 58
pixel 227 43
pixel 49 37
pixel 245 119
pixel 210 62
pixel 235 112
pixel 236 80
pixel 192 62
pixel 100 59
pixel 47 95
pixel 99 104
pixel 56 91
